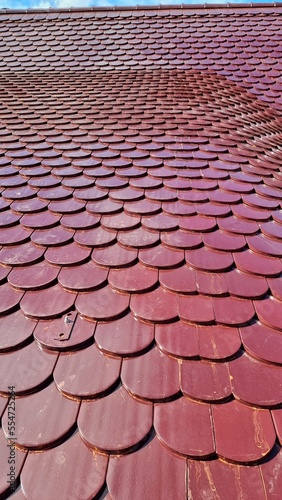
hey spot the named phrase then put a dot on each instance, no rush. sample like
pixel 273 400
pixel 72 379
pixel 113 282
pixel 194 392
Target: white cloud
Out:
pixel 62 4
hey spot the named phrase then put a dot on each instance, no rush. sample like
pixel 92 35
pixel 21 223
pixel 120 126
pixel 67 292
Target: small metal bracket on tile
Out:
pixel 68 323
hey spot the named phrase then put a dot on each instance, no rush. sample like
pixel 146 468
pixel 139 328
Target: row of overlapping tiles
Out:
pixel 244 47
pixel 146 227
pixel 146 176
pixel 151 471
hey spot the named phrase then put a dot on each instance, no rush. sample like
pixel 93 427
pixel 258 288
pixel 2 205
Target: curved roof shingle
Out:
pixel 140 253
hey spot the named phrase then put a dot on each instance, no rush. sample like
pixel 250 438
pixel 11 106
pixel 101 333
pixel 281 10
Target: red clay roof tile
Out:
pixel 140 251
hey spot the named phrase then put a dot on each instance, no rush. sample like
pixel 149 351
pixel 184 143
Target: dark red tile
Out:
pixel 178 339
pixel 156 306
pixel 142 207
pixel 4 271
pixel 179 208
pixel 55 193
pixel 195 437
pixel 103 304
pixel 120 221
pixel 218 342
pixel 205 381
pixel 152 376
pixel 26 369
pixel 210 283
pixel 9 456
pixel 161 257
pixel 114 256
pixel 196 309
pixel 182 280
pixel 255 200
pixel 126 195
pixel 220 196
pixel 198 223
pixel 145 182
pixel 138 237
pixel 87 373
pixel 191 197
pixel 160 222
pixel 78 182
pixel 214 210
pixel 116 423
pixel 9 298
pixel 237 187
pixel 20 255
pixel 272 229
pixel 83 277
pixel 70 206
pixel 219 240
pixel 272 476
pixel 246 212
pixel 162 194
pixel 234 422
pixel 41 220
pixel 232 311
pixel 67 255
pixel 83 220
pixel 33 277
pixel 245 285
pixel 89 194
pixel 164 473
pixel 277 417
pixel 104 207
pixel 19 193
pixel 45 427
pixel 262 342
pixel 215 477
pixel 47 303
pixel 52 237
pixel 264 245
pixel 62 465
pixel 15 330
pixel 209 260
pixel 254 263
pixel 125 336
pixel 14 235
pixel 238 226
pixel 134 279
pixel 269 312
pixel 96 237
pixel 277 216
pixel 181 239
pixel 255 382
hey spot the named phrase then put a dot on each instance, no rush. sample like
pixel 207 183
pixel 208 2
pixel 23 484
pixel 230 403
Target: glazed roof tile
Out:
pixel 140 252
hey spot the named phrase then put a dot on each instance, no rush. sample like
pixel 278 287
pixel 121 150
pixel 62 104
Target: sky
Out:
pixel 46 4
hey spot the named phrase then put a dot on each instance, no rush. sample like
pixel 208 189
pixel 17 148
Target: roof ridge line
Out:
pixel 183 6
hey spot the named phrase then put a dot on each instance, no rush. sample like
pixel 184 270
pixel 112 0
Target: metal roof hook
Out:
pixel 68 319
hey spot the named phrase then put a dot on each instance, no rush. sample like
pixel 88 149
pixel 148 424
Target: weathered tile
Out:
pixel 116 423
pixel 152 376
pixel 195 437
pixel 235 423
pixel 62 464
